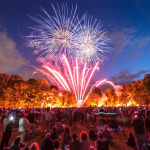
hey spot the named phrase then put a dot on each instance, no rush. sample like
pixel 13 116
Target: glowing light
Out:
pixel 99 105
pixel 79 103
pixel 118 105
pixel 60 94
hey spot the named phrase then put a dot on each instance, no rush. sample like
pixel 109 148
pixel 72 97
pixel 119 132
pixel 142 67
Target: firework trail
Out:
pixel 97 84
pixel 74 77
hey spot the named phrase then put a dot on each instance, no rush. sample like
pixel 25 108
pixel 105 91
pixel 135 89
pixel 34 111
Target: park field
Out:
pixel 117 143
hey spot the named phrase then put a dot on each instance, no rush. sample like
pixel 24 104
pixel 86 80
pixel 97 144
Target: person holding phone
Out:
pixel 7 129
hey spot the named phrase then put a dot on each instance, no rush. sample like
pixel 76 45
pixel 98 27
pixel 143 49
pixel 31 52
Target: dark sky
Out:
pixel 127 23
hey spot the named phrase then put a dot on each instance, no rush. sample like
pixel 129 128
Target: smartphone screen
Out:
pixel 135 116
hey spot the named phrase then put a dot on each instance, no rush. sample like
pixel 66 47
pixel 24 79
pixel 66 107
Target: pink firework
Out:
pixel 97 84
pixel 72 77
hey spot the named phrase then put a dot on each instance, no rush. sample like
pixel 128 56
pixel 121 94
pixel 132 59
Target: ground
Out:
pixel 118 143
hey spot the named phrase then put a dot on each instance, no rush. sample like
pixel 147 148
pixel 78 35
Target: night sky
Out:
pixel 127 23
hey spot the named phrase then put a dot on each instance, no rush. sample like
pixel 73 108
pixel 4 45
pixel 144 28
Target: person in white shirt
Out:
pixel 47 120
pixel 23 125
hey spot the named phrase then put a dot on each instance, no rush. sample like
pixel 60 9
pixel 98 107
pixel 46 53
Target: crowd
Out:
pixel 27 122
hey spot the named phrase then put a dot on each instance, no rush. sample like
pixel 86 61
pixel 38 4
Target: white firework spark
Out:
pixel 55 35
pixel 92 41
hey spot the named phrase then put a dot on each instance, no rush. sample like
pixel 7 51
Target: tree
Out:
pixel 97 91
pixel 94 97
pixel 4 79
pixel 136 91
pixel 145 93
pixel 124 98
pixel 68 98
pixel 111 97
pixel 54 86
pixel 35 91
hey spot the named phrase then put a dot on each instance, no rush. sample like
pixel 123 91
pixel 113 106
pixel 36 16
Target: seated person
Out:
pixel 47 144
pixel 84 142
pixel 114 124
pixel 54 135
pixel 17 145
pixel 7 148
pixel 66 136
pixel 74 144
pixel 56 145
pixel 131 140
pixel 92 134
pixel 101 143
pixel 106 133
pixel 34 146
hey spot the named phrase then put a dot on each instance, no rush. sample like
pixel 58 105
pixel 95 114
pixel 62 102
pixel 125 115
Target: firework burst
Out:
pixel 92 41
pixel 55 35
pixel 64 33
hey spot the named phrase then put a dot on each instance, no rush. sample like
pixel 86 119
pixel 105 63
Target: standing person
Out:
pixel 101 143
pixel 88 119
pixel 4 112
pixel 92 118
pixel 23 126
pixel 70 116
pixel 31 118
pixel 147 125
pixel 75 115
pixel 84 142
pixel 82 117
pixel 58 114
pixel 7 129
pixel 47 120
pixel 59 126
pixel 138 125
pixel 92 134
pixel 106 133
pixel 74 144
pixel 53 118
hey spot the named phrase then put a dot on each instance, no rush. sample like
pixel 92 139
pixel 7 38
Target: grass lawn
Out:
pixel 117 142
